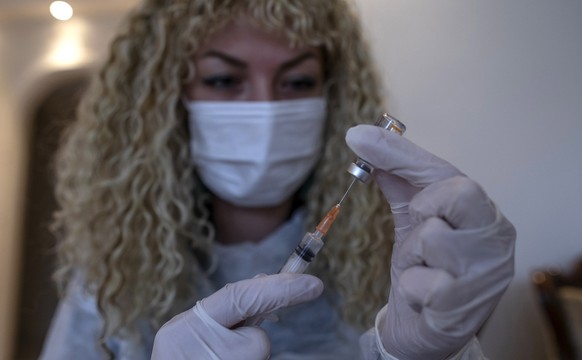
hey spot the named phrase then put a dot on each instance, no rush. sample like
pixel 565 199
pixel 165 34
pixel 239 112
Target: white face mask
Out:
pixel 256 153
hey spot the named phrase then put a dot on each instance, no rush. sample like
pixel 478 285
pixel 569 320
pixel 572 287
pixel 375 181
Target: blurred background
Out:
pixel 495 87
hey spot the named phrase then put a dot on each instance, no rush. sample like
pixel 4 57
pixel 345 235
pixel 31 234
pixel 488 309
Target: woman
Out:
pixel 212 139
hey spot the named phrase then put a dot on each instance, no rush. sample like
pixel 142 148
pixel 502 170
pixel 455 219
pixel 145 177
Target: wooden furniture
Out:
pixel 560 297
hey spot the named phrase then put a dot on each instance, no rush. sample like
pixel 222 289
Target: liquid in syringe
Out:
pixel 310 245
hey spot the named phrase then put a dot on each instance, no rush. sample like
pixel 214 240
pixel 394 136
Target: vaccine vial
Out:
pixel 361 169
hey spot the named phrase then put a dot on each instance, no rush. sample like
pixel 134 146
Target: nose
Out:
pixel 261 89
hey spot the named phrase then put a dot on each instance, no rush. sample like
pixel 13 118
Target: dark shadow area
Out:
pixel 37 293
pixel 559 296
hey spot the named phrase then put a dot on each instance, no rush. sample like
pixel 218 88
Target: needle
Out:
pixel 347 191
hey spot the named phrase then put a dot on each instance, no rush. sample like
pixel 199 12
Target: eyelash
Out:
pixel 300 83
pixel 227 82
pixel 221 81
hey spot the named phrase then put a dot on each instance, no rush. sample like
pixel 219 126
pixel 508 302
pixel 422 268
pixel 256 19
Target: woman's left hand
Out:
pixel 453 255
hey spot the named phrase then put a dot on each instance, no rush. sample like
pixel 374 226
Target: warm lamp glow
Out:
pixel 66 48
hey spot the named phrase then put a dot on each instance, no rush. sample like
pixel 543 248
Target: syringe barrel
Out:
pixel 297 263
pixel 304 253
pixel 363 170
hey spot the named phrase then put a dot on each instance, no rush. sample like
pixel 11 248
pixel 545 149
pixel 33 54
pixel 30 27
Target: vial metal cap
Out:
pixel 390 123
pixel 363 170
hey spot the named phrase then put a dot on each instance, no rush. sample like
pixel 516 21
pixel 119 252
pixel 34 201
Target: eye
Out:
pixel 300 83
pixel 221 81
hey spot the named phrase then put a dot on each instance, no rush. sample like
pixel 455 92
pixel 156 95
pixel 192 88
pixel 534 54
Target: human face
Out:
pixel 241 62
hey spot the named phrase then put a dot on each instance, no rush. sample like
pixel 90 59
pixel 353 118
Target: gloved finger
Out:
pixel 398 193
pixel 460 252
pixel 240 300
pixel 396 155
pixel 462 308
pixel 418 284
pixel 268 316
pixel 246 342
pixel 431 243
pixel 195 332
pixel 460 201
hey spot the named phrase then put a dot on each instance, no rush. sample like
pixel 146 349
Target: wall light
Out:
pixel 61 10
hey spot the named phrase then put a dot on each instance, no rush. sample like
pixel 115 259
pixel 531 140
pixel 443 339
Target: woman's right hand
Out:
pixel 210 330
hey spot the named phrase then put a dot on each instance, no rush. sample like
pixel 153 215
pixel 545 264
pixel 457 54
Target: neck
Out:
pixel 236 224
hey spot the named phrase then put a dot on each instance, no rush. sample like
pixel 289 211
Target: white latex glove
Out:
pixel 453 255
pixel 209 330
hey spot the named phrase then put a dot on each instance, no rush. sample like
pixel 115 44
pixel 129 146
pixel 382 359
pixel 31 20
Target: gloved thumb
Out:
pixel 243 299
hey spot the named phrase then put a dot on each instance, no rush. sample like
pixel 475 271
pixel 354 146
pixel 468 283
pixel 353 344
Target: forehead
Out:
pixel 242 38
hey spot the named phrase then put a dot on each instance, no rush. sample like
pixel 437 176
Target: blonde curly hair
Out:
pixel 132 212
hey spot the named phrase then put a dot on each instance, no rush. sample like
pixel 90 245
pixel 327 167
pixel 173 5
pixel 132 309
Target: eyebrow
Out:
pixel 309 54
pixel 224 57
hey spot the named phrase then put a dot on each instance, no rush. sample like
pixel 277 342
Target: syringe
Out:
pixel 303 254
pixel 310 245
